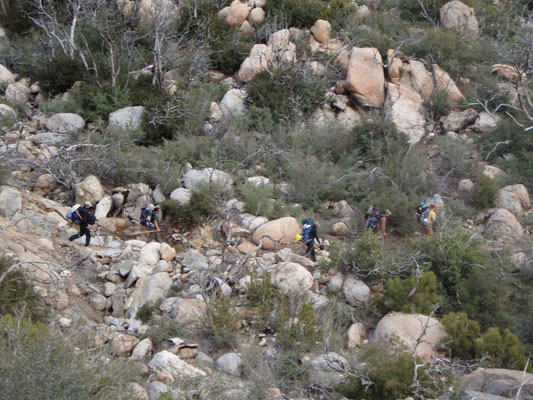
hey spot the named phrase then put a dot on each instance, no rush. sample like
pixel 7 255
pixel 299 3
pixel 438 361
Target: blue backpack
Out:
pixel 422 210
pixel 307 233
pixel 74 217
pixel 372 217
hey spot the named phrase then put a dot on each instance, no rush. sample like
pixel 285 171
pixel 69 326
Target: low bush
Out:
pixel 389 370
pixel 504 349
pixel 191 214
pixel 417 294
pixel 299 13
pixel 364 256
pixel 484 192
pixel 219 323
pixel 462 333
pixel 257 198
pixel 17 295
pixel 38 362
pixel 455 156
pixel 297 323
pixel 288 91
pixel 58 75
pixel 437 106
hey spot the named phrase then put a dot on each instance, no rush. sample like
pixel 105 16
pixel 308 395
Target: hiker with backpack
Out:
pixel 83 217
pixel 308 236
pixel 150 216
pixel 382 223
pixel 428 218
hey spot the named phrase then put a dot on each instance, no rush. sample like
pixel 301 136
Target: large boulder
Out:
pixel 238 13
pixel 181 196
pixel 18 93
pixel 422 79
pixel 505 71
pixel 49 138
pixel 444 82
pixel 173 366
pixel 458 120
pixel 90 189
pixel 356 335
pixel 193 260
pixel 514 198
pixel 142 350
pixel 257 61
pixel 404 107
pixel 10 201
pixel 129 118
pixel 486 122
pixel 149 289
pixel 419 333
pixel 230 363
pixel 284 50
pixel 355 291
pixel 290 277
pixel 6 76
pixel 321 30
pixel 196 179
pixel 499 382
pixel 504 226
pixel 233 103
pixel 65 123
pixel 103 207
pixel 122 345
pixel 277 233
pixel 8 116
pixel 257 16
pixel 493 172
pixel 459 16
pixel 149 257
pixel 365 79
pixel 188 310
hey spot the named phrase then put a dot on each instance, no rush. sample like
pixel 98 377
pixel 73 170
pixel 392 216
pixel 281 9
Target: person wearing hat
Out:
pixel 430 219
pixel 383 222
pixel 86 219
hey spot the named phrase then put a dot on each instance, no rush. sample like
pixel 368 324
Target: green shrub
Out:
pixel 166 328
pixel 367 252
pixel 299 13
pixel 288 91
pixel 257 198
pixel 462 334
pixel 437 106
pixel 297 323
pixel 261 292
pixel 145 312
pixel 412 295
pixel 507 138
pixel 191 214
pixel 390 371
pixel 455 54
pixel 219 323
pixel 505 350
pixel 17 295
pixel 455 156
pixel 411 10
pixel 58 75
pixel 37 362
pixel 13 17
pixel 227 55
pixel 484 192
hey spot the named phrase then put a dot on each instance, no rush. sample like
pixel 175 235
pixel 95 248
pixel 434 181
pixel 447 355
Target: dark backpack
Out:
pixel 372 217
pixel 91 218
pixel 146 216
pixel 309 232
pixel 422 209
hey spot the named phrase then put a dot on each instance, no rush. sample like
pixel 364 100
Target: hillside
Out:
pixel 240 120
